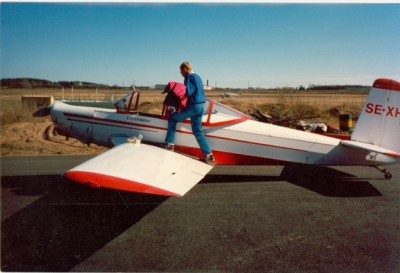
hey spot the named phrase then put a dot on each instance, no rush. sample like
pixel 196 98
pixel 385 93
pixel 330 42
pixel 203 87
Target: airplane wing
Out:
pixel 141 168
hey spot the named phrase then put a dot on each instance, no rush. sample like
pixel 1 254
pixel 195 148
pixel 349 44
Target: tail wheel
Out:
pixel 385 172
pixel 388 175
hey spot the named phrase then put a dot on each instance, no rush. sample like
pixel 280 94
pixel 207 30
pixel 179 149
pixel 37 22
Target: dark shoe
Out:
pixel 169 147
pixel 209 159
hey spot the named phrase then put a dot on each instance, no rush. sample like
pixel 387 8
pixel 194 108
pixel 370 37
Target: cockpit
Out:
pixel 215 114
pixel 128 104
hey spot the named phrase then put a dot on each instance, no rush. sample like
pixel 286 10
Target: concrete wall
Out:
pixel 37 101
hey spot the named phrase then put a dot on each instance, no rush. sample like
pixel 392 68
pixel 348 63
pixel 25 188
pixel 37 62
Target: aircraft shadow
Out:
pixel 66 224
pixel 328 181
pixel 322 180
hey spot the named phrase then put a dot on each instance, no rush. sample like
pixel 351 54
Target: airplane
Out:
pixel 137 163
pixel 230 95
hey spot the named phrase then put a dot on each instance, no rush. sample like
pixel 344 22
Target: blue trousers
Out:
pixel 195 113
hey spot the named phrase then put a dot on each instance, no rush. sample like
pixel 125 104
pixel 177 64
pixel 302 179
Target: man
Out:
pixel 194 111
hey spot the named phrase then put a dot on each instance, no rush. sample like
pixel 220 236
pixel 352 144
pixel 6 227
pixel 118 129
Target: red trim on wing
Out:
pixel 387 84
pixel 112 182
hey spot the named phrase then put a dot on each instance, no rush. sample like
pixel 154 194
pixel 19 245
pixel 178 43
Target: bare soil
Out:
pixel 28 139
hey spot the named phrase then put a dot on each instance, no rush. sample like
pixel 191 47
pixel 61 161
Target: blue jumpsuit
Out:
pixel 194 111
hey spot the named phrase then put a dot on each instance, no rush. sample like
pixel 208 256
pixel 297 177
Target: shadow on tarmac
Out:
pixel 67 224
pixel 322 180
pixel 328 181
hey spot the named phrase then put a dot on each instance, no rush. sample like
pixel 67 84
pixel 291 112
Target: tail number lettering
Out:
pixel 378 109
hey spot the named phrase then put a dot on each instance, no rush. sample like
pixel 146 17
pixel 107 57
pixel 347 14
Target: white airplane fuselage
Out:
pixel 233 136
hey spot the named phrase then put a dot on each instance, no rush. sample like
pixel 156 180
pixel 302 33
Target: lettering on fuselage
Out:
pixel 378 109
pixel 138 119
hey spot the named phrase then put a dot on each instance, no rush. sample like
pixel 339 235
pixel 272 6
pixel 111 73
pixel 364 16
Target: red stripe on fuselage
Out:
pixel 255 143
pixel 89 119
pixel 224 158
pixel 393 154
pixel 164 129
pixel 112 125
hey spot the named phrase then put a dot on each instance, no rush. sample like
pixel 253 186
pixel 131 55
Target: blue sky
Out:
pixel 230 45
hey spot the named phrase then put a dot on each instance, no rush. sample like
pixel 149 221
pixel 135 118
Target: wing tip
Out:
pixel 96 180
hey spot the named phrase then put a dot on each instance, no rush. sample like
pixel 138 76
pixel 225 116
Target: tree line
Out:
pixel 30 83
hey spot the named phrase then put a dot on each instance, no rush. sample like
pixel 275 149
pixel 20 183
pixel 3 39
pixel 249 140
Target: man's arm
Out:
pixel 190 85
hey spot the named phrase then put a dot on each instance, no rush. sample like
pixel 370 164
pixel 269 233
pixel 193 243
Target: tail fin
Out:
pixel 379 122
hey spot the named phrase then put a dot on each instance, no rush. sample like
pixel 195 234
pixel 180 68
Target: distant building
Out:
pixel 160 86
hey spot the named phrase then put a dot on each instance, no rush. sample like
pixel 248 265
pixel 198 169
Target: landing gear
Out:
pixel 387 174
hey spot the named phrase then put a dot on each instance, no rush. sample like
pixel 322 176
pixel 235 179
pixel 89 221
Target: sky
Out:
pixel 234 45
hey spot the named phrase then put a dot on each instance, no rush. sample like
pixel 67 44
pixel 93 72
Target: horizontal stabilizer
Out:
pixel 370 148
pixel 141 168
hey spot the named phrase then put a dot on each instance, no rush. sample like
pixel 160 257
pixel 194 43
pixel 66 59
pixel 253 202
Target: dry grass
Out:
pixel 11 111
pixel 280 103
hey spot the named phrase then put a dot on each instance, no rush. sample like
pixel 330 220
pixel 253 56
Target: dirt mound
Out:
pixel 345 109
pixel 29 138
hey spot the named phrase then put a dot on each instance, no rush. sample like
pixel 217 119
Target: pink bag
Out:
pixel 176 96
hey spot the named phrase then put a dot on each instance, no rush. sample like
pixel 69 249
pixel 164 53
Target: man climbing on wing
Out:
pixel 194 111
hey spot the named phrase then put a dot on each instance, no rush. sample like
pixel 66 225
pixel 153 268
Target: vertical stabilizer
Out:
pixel 379 122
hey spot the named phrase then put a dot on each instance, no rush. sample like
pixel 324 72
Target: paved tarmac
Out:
pixel 238 219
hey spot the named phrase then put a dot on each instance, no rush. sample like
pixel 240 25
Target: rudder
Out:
pixel 379 122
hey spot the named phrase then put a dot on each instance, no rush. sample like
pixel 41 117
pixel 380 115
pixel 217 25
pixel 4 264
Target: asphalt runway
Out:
pixel 238 219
